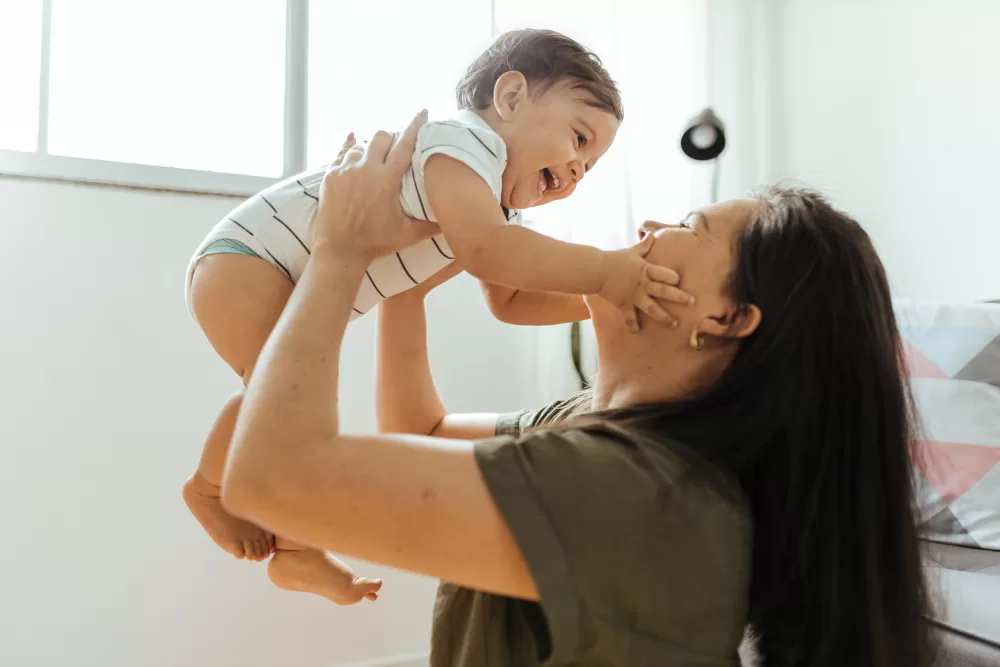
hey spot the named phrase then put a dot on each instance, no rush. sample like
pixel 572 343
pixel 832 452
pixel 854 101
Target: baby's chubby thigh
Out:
pixel 237 299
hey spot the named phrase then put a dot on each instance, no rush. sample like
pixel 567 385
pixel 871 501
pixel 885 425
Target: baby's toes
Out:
pixel 253 551
pixel 368 588
pixel 237 550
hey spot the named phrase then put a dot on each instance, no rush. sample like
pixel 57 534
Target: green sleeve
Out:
pixel 554 491
pixel 516 423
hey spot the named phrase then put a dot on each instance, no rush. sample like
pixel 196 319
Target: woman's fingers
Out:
pixel 355 154
pixel 359 204
pixel 348 143
pixel 378 147
pixel 402 153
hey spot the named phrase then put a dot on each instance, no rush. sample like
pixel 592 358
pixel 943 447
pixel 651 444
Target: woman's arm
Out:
pixel 410 502
pixel 406 399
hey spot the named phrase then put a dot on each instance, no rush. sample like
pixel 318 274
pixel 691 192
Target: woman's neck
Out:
pixel 629 375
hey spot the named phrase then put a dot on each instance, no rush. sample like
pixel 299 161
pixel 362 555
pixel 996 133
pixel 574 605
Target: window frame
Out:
pixel 40 164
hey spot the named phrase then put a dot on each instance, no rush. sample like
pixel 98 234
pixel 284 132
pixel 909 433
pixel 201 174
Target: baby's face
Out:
pixel 552 140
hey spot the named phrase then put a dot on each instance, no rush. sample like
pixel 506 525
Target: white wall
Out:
pixel 107 390
pixel 892 107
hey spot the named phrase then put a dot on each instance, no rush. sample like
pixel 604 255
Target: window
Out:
pixel 186 95
pixel 423 49
pixel 189 83
pixel 226 96
pixel 20 64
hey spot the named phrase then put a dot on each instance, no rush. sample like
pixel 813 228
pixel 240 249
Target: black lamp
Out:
pixel 704 139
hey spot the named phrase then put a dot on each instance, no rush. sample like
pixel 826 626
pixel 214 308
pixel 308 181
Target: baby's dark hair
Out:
pixel 544 57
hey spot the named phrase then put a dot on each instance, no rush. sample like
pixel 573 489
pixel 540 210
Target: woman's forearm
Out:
pixel 277 429
pixel 406 400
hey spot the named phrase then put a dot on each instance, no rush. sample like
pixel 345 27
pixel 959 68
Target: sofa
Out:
pixel 966 586
pixel 953 363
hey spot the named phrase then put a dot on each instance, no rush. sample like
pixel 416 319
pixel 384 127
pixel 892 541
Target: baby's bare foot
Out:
pixel 235 536
pixel 311 571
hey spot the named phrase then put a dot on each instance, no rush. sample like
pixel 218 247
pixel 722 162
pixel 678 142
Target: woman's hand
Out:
pixel 359 210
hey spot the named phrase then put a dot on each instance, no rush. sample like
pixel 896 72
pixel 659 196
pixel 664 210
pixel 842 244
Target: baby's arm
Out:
pixel 524 307
pixel 520 258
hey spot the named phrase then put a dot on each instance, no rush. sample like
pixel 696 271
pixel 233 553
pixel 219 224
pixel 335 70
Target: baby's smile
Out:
pixel 547 181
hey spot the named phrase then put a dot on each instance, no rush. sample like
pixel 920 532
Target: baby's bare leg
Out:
pixel 235 536
pixel 237 300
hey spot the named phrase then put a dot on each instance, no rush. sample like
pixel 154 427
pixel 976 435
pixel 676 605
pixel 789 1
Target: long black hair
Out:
pixel 814 419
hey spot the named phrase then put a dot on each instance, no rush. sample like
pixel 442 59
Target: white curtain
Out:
pixel 657 51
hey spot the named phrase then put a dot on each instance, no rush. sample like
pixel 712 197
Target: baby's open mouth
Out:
pixel 547 181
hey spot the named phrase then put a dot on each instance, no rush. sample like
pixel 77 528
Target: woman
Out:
pixel 750 464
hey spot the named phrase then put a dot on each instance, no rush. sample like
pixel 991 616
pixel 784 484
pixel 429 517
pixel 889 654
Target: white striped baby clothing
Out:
pixel 276 224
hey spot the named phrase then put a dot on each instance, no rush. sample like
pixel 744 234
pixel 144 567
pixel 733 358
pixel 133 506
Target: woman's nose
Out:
pixel 649 226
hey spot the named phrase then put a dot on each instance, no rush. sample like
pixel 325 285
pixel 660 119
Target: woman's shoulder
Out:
pixel 607 513
pixel 602 454
pixel 676 467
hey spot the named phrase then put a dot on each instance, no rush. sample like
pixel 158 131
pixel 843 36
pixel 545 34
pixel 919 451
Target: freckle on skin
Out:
pixel 428 494
pixel 294 387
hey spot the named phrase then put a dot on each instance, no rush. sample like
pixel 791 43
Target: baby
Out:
pixel 538 111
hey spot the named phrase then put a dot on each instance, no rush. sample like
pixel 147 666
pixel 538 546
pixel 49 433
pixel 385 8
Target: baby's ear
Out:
pixel 509 94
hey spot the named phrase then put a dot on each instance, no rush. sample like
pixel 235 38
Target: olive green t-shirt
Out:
pixel 640 553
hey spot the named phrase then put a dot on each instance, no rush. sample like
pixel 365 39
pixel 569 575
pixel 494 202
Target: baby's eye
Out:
pixel 580 140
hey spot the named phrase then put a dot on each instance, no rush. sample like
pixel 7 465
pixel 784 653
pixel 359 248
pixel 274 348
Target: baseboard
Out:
pixel 414 660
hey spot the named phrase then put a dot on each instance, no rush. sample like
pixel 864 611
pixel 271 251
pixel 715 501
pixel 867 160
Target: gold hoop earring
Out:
pixel 697 341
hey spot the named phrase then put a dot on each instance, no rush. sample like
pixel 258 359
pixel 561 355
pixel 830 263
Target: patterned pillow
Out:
pixel 953 358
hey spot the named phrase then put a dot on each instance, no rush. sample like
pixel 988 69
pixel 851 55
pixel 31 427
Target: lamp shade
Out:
pixel 704 137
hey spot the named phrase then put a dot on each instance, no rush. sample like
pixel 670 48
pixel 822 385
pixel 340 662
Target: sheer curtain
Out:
pixel 658 54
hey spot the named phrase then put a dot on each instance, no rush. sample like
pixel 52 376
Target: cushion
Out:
pixel 953 360
pixel 965 559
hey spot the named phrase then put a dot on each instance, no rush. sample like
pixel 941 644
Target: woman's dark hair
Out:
pixel 814 418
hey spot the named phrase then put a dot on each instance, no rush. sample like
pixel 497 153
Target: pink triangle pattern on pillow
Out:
pixel 952 355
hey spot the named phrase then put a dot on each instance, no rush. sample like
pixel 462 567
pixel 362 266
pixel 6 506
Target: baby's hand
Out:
pixel 631 283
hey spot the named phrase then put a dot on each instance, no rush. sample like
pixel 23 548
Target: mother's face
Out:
pixel 701 248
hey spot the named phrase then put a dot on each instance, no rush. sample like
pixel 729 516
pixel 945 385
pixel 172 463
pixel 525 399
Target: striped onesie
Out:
pixel 276 224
